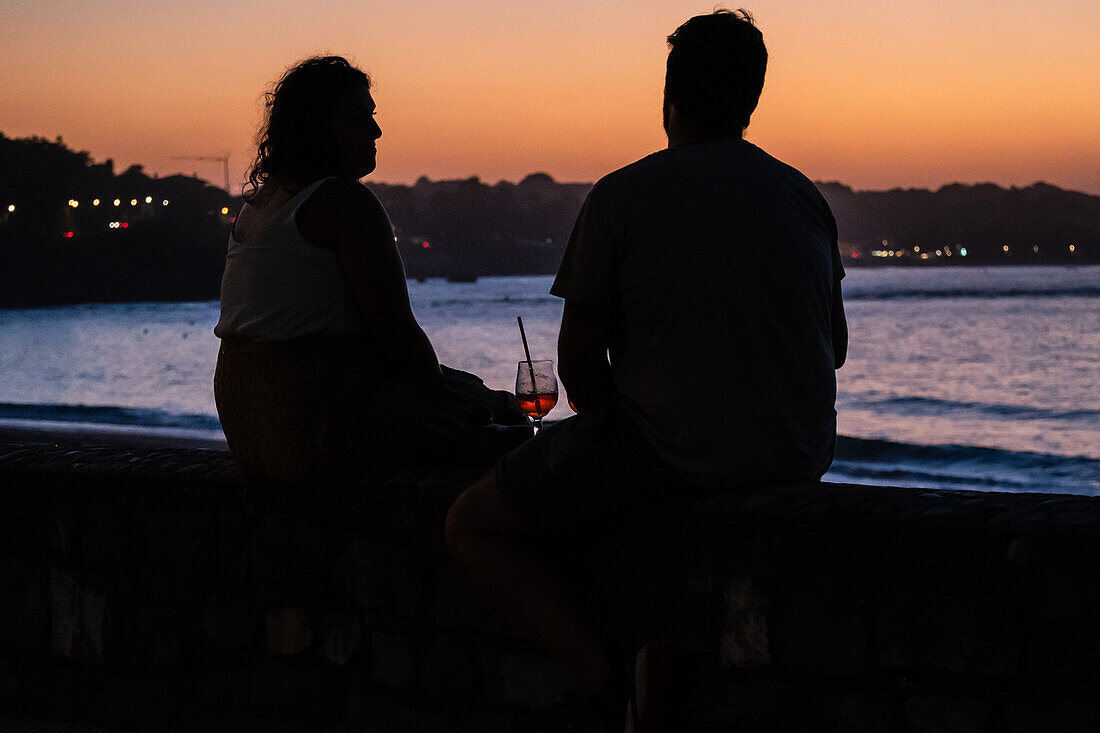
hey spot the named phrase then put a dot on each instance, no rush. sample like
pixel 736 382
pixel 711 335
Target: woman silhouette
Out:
pixel 323 370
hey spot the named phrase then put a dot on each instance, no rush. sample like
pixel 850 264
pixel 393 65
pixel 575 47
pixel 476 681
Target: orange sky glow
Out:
pixel 873 94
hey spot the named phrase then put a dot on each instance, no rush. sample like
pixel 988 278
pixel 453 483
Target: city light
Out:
pixel 74 203
pixel 118 202
pixel 962 251
pixel 225 210
pixel 148 199
pixel 916 249
pixel 133 202
pixel 11 207
pixel 1035 248
pixel 95 202
pixel 164 203
pixel 1072 248
pixel 68 235
pixel 426 245
pixel 1005 248
pixel 113 225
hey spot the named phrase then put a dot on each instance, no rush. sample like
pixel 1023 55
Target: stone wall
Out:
pixel 150 590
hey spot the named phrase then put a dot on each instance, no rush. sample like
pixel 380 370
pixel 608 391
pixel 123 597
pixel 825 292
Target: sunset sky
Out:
pixel 874 93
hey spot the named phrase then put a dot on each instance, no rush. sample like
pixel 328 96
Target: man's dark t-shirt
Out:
pixel 717 264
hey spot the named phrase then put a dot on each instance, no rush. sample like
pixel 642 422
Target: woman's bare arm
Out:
pixel 345 216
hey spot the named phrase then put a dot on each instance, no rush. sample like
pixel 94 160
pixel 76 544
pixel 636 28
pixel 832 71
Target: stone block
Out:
pixel 48 523
pixel 234 545
pixel 819 625
pixel 291 549
pixel 289 691
pixel 288 631
pixel 1067 595
pixel 935 631
pixel 379 577
pixel 1054 649
pixel 22 604
pixel 531 682
pixel 98 636
pixel 857 708
pixel 446 666
pixel 180 561
pixel 154 638
pixel 53 691
pixel 373 711
pixel 104 536
pixel 393 660
pixel 13 500
pixel 228 616
pixel 132 701
pixel 744 634
pixel 946 711
pixel 746 700
pixel 1052 706
pixel 223 689
pixel 9 690
pixel 64 611
pixel 341 637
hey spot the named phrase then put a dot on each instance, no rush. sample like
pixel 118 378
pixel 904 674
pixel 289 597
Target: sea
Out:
pixel 972 378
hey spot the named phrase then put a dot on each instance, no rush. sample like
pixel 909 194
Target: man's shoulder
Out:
pixel 700 160
pixel 640 170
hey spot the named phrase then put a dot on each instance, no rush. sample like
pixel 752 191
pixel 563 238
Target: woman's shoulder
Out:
pixel 340 207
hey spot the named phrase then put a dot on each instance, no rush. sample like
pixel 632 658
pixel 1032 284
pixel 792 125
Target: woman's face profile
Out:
pixel 354 131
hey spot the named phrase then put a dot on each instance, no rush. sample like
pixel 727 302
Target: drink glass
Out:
pixel 537 395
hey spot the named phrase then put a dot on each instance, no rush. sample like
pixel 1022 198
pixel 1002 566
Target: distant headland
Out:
pixel 73 231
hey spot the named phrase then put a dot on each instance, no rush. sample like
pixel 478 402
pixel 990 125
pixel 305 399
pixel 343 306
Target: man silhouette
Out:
pixel 703 322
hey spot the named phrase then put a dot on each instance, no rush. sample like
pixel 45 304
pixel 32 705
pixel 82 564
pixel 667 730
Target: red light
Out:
pixel 855 255
pixel 69 235
pixel 425 245
pixel 233 220
pixel 125 224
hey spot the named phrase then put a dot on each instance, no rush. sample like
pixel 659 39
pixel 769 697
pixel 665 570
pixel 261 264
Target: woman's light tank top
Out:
pixel 279 286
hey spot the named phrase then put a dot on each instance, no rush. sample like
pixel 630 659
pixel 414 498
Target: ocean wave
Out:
pixel 1069 291
pixel 850 295
pixel 507 299
pixel 107 415
pixel 962 466
pixel 919 406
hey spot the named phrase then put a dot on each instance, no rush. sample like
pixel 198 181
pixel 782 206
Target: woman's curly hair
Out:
pixel 295 141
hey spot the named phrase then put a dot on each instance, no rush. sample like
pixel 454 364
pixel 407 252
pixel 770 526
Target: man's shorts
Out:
pixel 585 472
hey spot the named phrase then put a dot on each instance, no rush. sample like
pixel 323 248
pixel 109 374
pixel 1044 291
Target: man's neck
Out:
pixel 685 131
pixel 680 141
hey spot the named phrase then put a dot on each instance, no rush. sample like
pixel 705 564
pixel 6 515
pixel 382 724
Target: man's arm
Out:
pixel 582 354
pixel 839 327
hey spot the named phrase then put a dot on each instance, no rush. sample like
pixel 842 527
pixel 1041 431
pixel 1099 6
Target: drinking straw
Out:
pixel 530 366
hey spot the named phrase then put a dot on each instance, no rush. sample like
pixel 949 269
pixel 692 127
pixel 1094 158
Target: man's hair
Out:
pixel 715 69
pixel 296 137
